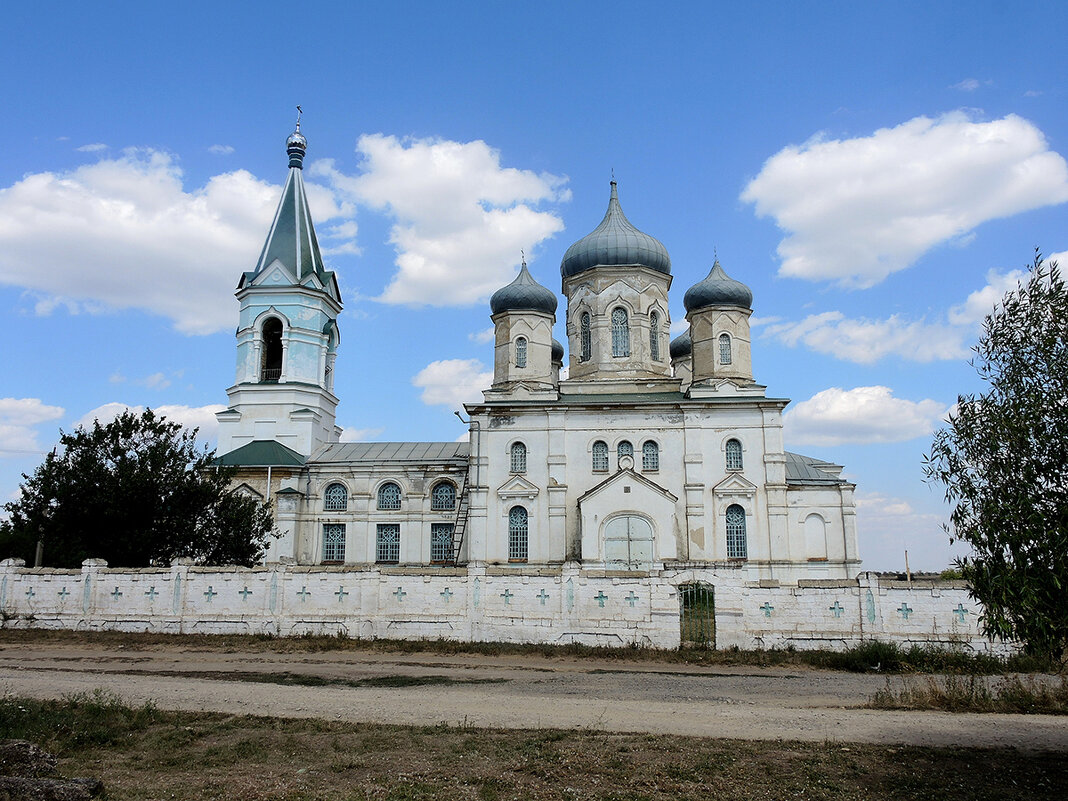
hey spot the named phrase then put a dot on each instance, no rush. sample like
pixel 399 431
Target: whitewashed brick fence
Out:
pixel 483 603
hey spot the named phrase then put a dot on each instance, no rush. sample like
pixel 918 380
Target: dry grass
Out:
pixel 144 753
pixel 870 656
pixel 1024 695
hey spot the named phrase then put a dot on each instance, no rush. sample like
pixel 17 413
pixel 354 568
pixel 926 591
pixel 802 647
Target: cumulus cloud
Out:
pixel 866 341
pixel 484 336
pixel 453 382
pixel 349 434
pixel 125 233
pixel 461 218
pixel 18 417
pixel 838 416
pixel 199 417
pixel 221 150
pixel 857 210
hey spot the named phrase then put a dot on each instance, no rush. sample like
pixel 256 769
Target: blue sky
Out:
pixel 875 172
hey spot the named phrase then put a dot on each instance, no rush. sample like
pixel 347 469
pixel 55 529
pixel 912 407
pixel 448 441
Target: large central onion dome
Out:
pixel 615 243
pixel 717 289
pixel 523 294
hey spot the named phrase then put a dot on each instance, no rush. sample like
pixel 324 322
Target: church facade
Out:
pixel 650 454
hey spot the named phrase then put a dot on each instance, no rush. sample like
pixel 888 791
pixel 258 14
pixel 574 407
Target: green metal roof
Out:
pixel 261 453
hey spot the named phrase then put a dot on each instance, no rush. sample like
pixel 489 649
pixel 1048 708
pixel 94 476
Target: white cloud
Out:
pixel 857 210
pixel 967 85
pixel 484 336
pixel 18 417
pixel 866 341
pixel 981 302
pixel 888 526
pixel 221 150
pixel 837 416
pixel 679 324
pixel 124 233
pixel 200 417
pixel 453 382
pixel 349 434
pixel 461 218
pixel 96 147
pixel 156 381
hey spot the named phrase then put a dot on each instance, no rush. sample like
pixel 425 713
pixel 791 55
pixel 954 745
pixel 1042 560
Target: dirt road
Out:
pixel 512 692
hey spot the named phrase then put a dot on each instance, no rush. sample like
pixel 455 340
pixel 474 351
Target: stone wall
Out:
pixel 561 604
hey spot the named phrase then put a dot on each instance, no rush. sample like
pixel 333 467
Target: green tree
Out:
pixel 136 492
pixel 1003 459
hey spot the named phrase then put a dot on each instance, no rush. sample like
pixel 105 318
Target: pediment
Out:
pixel 312 280
pixel 735 484
pixel 248 492
pixel 633 479
pixel 517 487
pixel 276 274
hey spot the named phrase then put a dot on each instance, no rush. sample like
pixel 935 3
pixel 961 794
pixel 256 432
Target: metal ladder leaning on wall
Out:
pixel 462 508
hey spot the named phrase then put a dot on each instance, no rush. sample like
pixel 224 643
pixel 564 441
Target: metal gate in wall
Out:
pixel 697 616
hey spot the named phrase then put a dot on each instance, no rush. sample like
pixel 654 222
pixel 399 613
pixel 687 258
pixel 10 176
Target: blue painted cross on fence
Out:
pixel 63 592
pixel 601 598
pixel 631 599
pixel 768 609
pixel 904 610
pixel 446 594
pixel 960 612
pixel 210 593
pixel 303 593
pixel 507 595
pixel 151 593
pixel 836 609
pixel 340 594
pixel 400 593
pixel 116 594
pixel 30 593
pixel 542 596
pixel 245 593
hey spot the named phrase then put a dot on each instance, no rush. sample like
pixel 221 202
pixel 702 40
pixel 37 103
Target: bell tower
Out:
pixel 287 333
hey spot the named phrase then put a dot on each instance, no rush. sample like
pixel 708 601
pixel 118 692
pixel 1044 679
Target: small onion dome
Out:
pixel 615 242
pixel 681 346
pixel 296 145
pixel 523 294
pixel 557 353
pixel 717 289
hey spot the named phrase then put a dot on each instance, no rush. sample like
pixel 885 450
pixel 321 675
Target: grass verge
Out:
pixel 973 693
pixel 146 753
pixel 869 656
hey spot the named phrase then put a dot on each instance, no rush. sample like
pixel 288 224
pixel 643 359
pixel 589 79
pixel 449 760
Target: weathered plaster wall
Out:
pixel 479 603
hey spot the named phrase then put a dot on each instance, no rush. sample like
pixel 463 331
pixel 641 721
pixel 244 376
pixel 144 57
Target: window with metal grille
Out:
pixel 736 545
pixel 440 542
pixel 585 343
pixel 519 457
pixel 387 542
pixel 600 457
pixel 443 497
pixel 654 336
pixel 517 534
pixel 521 352
pixel 336 498
pixel 389 496
pixel 620 333
pixel 724 349
pixel 334 542
pixel 624 448
pixel 734 454
pixel 650 456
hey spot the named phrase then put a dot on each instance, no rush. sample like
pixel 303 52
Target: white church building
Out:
pixel 648 455
pixel 645 499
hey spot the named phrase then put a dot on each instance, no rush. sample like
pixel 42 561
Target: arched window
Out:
pixel 734 454
pixel 724 349
pixel 443 497
pixel 519 457
pixel 650 456
pixel 389 496
pixel 620 333
pixel 271 360
pixel 585 337
pixel 736 546
pixel 600 457
pixel 335 498
pixel 521 352
pixel 517 534
pixel 654 336
pixel 624 448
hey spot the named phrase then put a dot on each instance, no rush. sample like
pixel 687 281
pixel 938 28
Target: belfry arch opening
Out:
pixel 271 362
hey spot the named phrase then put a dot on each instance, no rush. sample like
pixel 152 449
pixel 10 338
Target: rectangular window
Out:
pixel 441 542
pixel 387 543
pixel 334 542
